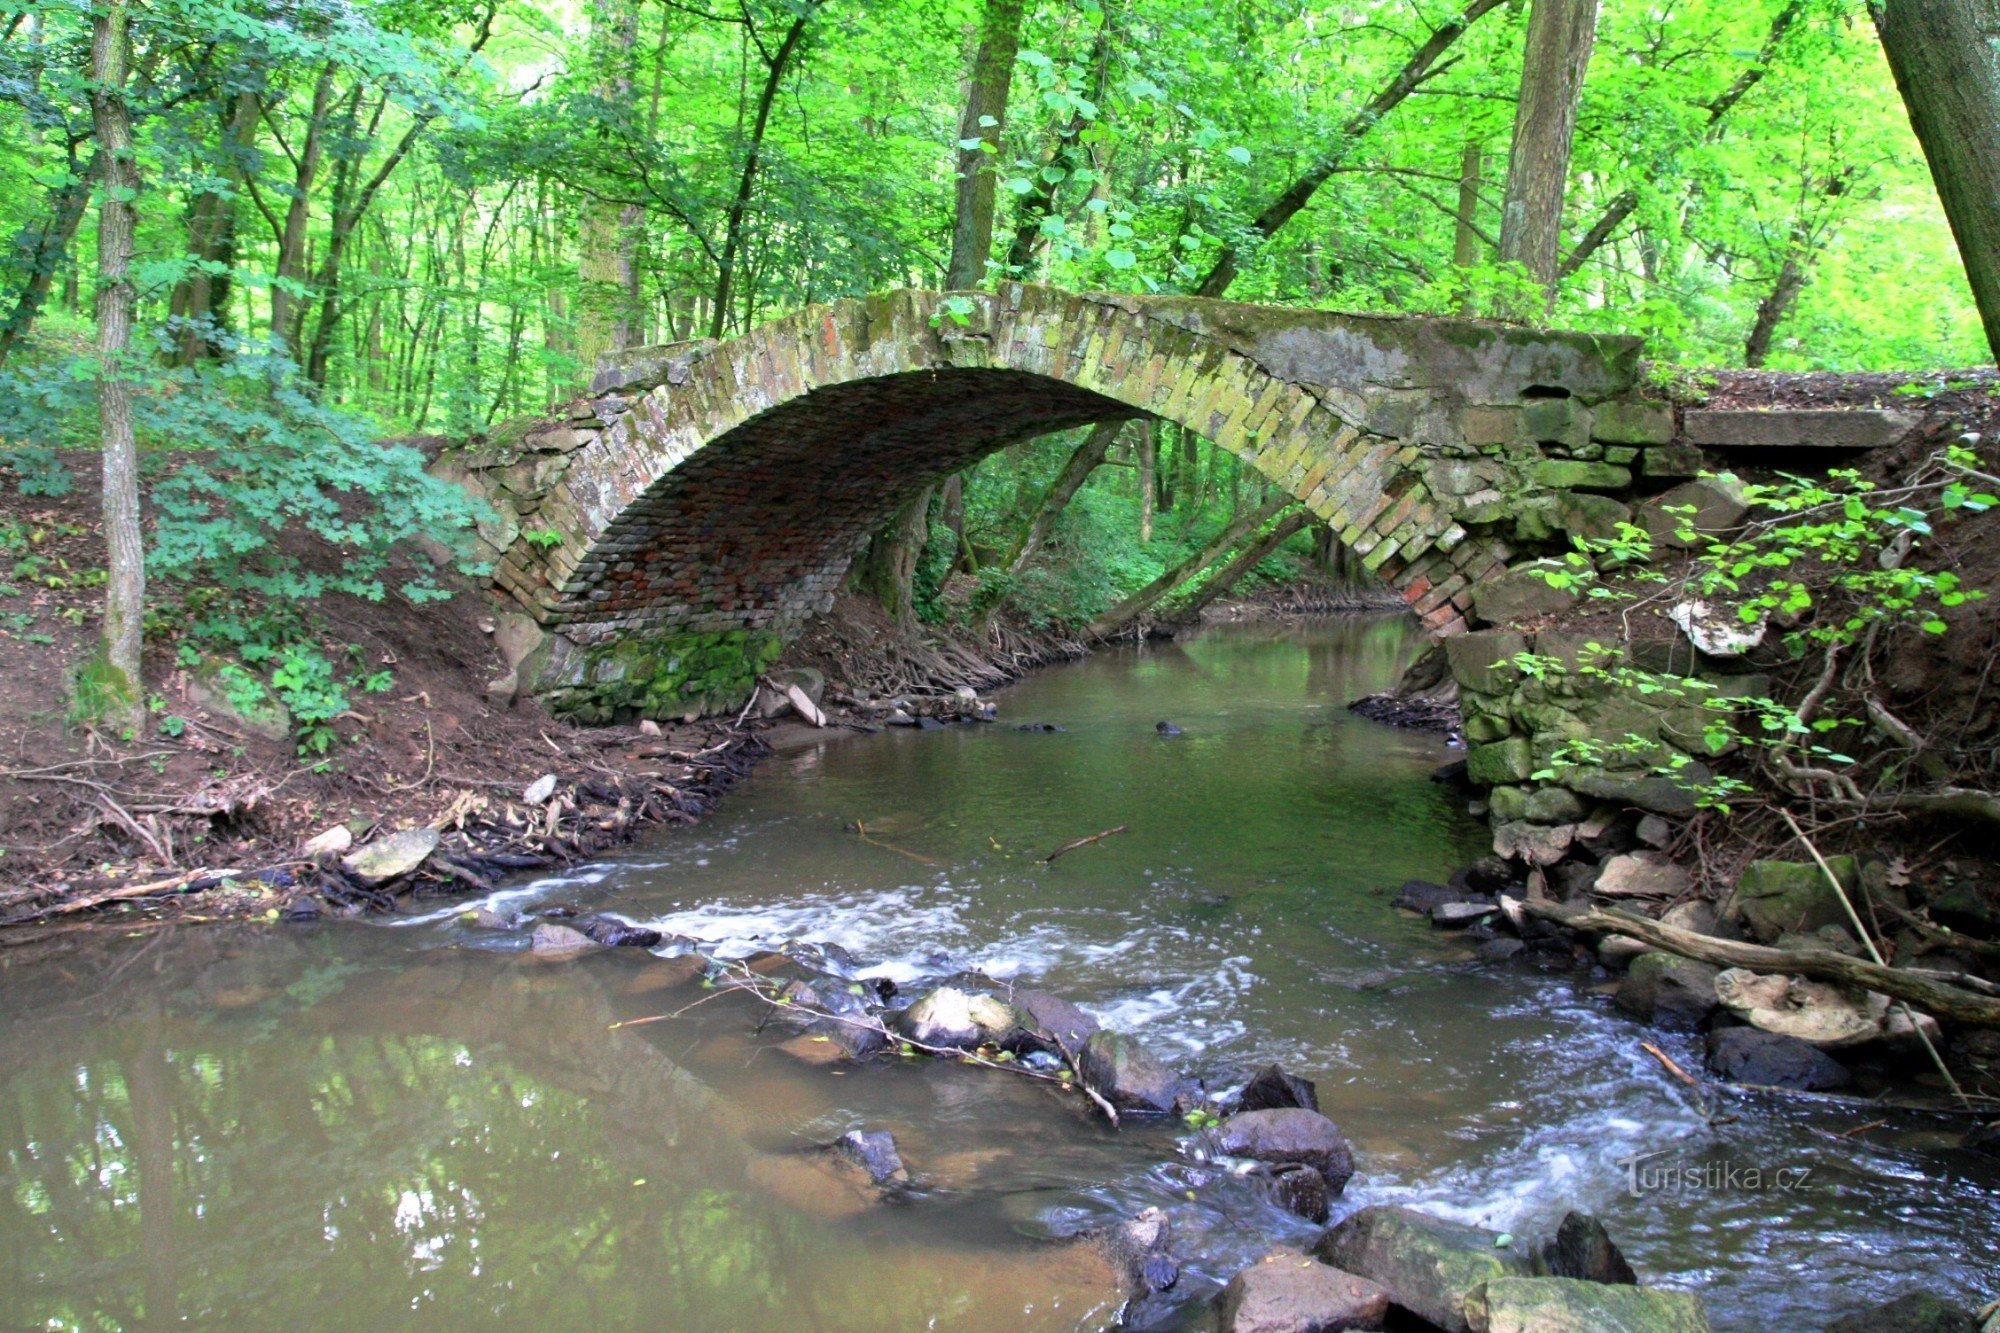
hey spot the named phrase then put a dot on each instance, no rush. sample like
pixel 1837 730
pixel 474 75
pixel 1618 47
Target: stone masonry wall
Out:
pixel 709 489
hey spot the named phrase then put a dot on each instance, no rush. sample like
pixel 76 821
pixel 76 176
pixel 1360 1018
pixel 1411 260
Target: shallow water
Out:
pixel 347 1124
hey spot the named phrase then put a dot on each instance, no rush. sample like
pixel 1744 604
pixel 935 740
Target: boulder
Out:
pixel 1303 1190
pixel 1719 504
pixel 483 918
pixel 1646 874
pixel 1429 1265
pixel 1656 792
pixel 1272 1089
pixel 1917 1312
pixel 551 940
pixel 615 934
pixel 1671 991
pixel 1582 1249
pixel 331 842
pixel 1457 916
pixel 1776 896
pixel 1287 1135
pixel 1716 628
pixel 946 1017
pixel 1049 1023
pixel 1137 1248
pixel 389 858
pixel 1812 1011
pixel 1747 1055
pixel 1565 1305
pixel 1290 1292
pixel 1522 593
pixel 1423 897
pixel 1123 1072
pixel 776 700
pixel 874 1153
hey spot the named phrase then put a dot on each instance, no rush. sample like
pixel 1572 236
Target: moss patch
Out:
pixel 667 676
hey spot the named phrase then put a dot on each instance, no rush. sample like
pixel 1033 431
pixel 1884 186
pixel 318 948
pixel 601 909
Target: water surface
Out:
pixel 357 1124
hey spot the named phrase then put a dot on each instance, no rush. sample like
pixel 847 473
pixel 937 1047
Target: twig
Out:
pixel 1860 1129
pixel 1084 842
pixel 862 830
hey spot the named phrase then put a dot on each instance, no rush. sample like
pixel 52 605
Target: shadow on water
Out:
pixel 345 1125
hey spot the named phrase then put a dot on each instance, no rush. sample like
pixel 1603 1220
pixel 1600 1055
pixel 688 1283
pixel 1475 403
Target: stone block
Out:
pixel 1481 426
pixel 1672 460
pixel 1624 455
pixel 1631 422
pixel 1796 428
pixel 1778 896
pixel 1484 660
pixel 1573 475
pixel 1592 516
pixel 1522 593
pixel 1718 504
pixel 1498 762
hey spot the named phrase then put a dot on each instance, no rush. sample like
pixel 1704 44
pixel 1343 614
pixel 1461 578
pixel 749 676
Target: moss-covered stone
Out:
pixel 1485 661
pixel 1560 474
pixel 1633 423
pixel 664 676
pixel 1779 896
pixel 1507 804
pixel 1490 765
pixel 1483 727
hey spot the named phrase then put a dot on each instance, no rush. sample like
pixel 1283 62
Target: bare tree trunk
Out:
pixel 1148 467
pixel 1248 559
pixel 67 205
pixel 605 269
pixel 1772 310
pixel 1465 236
pixel 889 567
pixel 1423 64
pixel 1076 470
pixel 1945 55
pixel 287 303
pixel 211 241
pixel 983 121
pixel 1119 617
pixel 739 207
pixel 109 686
pixel 1560 36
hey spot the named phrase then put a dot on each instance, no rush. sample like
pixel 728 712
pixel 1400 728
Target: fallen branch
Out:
pixel 1083 842
pixel 1944 1001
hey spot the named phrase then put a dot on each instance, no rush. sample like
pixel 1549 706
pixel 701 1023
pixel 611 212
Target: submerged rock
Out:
pixel 1430 1266
pixel 1582 1249
pixel 875 1153
pixel 1290 1292
pixel 484 918
pixel 1917 1312
pixel 1747 1055
pixel 1272 1089
pixel 1138 1248
pixel 1290 1135
pixel 1167 729
pixel 1123 1072
pixel 1565 1305
pixel 1423 897
pixel 1303 1190
pixel 1457 916
pixel 551 940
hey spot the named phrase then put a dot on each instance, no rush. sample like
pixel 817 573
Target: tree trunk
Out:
pixel 1945 55
pixel 739 207
pixel 287 300
pixel 984 120
pixel 1772 310
pixel 67 203
pixel 1040 202
pixel 889 568
pixel 211 240
pixel 1232 573
pixel 1121 616
pixel 109 687
pixel 1423 64
pixel 1560 36
pixel 1465 235
pixel 1076 470
pixel 1148 466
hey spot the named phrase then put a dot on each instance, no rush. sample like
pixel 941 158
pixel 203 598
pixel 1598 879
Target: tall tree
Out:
pixel 109 687
pixel 980 127
pixel 1945 55
pixel 1560 36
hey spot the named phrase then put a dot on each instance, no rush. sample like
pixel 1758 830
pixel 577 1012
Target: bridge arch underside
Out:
pixel 669 534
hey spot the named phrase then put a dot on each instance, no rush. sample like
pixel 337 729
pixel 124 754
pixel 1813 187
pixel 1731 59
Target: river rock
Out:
pixel 1049 1023
pixel 1165 728
pixel 1457 916
pixel 551 940
pixel 1272 1089
pixel 1917 1312
pixel 1813 1011
pixel 1565 1305
pixel 1641 875
pixel 391 857
pixel 1776 896
pixel 944 1017
pixel 1137 1247
pixel 1747 1055
pixel 1123 1072
pixel 1287 1135
pixel 1424 897
pixel 1290 1292
pixel 1583 1249
pixel 875 1153
pixel 615 934
pixel 331 842
pixel 540 790
pixel 1302 1190
pixel 1429 1265
pixel 484 918
pixel 1671 991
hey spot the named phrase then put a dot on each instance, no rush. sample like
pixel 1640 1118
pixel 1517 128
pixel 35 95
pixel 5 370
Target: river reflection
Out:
pixel 364 1125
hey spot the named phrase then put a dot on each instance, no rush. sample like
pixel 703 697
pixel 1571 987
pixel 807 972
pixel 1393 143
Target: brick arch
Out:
pixel 714 495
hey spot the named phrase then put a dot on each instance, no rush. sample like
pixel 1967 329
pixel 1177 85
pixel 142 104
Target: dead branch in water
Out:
pixel 862 829
pixel 1084 842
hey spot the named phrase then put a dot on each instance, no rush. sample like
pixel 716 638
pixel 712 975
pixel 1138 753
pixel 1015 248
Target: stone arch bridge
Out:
pixel 665 534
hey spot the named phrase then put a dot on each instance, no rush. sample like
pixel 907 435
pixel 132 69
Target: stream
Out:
pixel 351 1124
